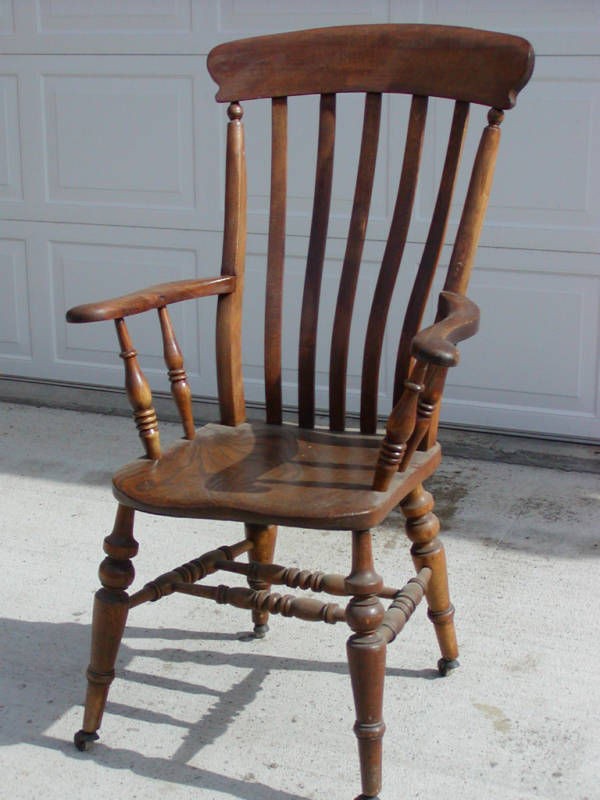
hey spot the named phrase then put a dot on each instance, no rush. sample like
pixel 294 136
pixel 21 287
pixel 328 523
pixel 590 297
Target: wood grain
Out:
pixel 314 265
pixel 161 294
pixel 340 340
pixel 390 264
pixel 229 309
pixel 433 246
pixel 270 475
pixel 275 260
pixel 434 60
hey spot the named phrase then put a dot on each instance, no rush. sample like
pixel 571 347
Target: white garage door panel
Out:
pixel 554 26
pixel 11 185
pixel 114 16
pixel 94 262
pixel 543 309
pixel 111 177
pixel 170 26
pixel 546 194
pixel 118 140
pixel 540 327
pixel 15 341
pixel 112 142
pixel 109 26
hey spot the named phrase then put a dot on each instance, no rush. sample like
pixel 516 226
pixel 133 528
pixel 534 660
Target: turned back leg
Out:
pixel 111 605
pixel 422 528
pixel 263 538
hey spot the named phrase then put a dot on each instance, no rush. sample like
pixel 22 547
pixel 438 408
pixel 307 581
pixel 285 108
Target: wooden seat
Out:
pixel 273 474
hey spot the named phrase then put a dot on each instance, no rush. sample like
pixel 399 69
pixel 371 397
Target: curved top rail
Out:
pixel 433 60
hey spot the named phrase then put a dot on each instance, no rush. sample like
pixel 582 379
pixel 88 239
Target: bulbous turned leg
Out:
pixel 263 538
pixel 366 650
pixel 422 528
pixel 111 605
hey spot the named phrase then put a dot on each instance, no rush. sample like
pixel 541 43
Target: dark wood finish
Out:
pixel 180 388
pixel 191 571
pixel 433 246
pixel 422 528
pixel 404 603
pixel 356 238
pixel 263 602
pixel 269 474
pixel 458 320
pixel 162 294
pixel 399 429
pixel 427 408
pixel 275 261
pixel 288 576
pixel 434 60
pixel 229 309
pixel 314 265
pixel 111 606
pixel 478 194
pixel 263 538
pixel 391 263
pixel 366 659
pixel 139 394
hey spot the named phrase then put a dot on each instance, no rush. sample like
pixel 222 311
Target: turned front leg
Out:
pixel 422 528
pixel 111 605
pixel 263 538
pixel 366 659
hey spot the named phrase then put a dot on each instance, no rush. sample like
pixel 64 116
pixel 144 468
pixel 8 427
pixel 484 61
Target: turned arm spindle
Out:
pixel 400 426
pixel 139 394
pixel 427 408
pixel 180 388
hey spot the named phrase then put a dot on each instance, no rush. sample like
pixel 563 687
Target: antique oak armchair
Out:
pixel 279 474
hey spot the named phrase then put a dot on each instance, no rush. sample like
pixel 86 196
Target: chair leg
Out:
pixel 422 528
pixel 111 605
pixel 366 650
pixel 263 538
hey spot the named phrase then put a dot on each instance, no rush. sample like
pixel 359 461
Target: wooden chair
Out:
pixel 274 474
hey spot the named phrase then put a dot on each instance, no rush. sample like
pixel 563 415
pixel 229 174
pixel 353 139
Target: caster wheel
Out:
pixel 83 740
pixel 446 665
pixel 260 631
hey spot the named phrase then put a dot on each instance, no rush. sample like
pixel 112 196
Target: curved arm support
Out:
pixel 162 294
pixel 458 319
pixel 434 350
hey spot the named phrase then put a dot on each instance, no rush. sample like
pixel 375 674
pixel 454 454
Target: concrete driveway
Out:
pixel 199 711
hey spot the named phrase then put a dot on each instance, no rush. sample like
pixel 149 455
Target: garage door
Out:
pixel 111 165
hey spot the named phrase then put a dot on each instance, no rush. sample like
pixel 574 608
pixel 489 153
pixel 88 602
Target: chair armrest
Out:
pixel 458 320
pixel 157 296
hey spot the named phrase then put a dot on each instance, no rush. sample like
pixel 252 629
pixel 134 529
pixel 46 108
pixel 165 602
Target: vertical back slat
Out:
pixel 433 245
pixel 391 262
pixel 314 265
pixel 354 248
pixel 275 260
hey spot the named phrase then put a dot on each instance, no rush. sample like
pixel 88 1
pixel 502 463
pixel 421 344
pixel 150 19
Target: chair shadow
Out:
pixel 42 680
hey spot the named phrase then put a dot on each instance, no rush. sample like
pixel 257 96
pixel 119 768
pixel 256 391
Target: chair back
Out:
pixel 462 65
